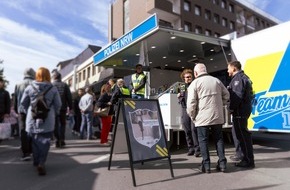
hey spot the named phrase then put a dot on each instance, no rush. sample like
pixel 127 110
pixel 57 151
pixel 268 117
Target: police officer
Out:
pixel 188 125
pixel 241 96
pixel 138 81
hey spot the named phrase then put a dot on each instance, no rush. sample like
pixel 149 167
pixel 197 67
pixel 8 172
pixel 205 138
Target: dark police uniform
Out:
pixel 241 97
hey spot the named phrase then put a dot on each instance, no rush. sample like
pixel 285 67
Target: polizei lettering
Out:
pixel 124 41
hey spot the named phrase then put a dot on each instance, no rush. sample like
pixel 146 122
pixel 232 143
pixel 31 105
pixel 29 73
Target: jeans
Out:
pixel 87 124
pixel 40 147
pixel 203 136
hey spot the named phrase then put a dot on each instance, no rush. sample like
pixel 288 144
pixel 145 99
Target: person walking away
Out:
pixel 66 100
pixel 86 107
pixel 241 97
pixel 138 81
pixel 187 124
pixel 77 112
pixel 40 130
pixel 26 141
pixel 206 99
pixel 104 101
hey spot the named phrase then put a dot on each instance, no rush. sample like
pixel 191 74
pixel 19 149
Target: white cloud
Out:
pixel 23 47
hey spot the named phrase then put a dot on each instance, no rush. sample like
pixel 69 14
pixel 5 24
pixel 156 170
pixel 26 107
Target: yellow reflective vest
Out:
pixel 136 82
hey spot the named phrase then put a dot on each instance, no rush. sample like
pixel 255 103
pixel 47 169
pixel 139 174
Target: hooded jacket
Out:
pixel 52 99
pixel 29 75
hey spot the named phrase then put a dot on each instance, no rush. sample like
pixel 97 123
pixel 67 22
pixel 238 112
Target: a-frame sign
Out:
pixel 140 123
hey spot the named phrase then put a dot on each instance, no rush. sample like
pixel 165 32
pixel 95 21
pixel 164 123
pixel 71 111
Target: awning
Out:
pixel 166 48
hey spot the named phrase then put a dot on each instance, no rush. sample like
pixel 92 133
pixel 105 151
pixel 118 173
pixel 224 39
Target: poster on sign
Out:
pixel 145 130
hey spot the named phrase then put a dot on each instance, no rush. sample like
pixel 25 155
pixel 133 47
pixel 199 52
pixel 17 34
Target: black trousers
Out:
pixel 244 136
pixel 190 132
pixel 59 129
pixel 26 141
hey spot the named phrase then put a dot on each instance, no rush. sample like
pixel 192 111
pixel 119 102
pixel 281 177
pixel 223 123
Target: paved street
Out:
pixel 83 165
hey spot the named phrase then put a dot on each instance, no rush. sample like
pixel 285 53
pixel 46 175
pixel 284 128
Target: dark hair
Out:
pixel 236 64
pixel 138 65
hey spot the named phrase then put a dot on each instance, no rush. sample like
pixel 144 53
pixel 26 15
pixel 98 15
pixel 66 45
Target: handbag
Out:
pixel 102 112
pixel 5 130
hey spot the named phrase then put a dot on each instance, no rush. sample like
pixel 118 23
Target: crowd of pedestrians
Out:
pixel 202 101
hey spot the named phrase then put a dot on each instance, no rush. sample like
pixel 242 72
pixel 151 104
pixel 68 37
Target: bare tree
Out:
pixel 2 73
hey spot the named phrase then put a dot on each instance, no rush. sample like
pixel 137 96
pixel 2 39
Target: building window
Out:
pixel 207 15
pixel 216 18
pixel 257 22
pixel 216 2
pixel 70 82
pixel 198 30
pixel 232 25
pixel 187 26
pixel 231 8
pixel 207 32
pixel 197 10
pixel 94 70
pixel 165 23
pixel 224 22
pixel 223 4
pixel 187 6
pixel 84 74
pixel 217 35
pixel 80 77
pixel 89 71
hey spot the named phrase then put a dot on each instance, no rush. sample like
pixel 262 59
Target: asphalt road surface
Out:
pixel 83 165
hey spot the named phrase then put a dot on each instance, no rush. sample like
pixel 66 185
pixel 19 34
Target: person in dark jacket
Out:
pixel 241 96
pixel 4 101
pixel 66 100
pixel 26 141
pixel 77 111
pixel 187 124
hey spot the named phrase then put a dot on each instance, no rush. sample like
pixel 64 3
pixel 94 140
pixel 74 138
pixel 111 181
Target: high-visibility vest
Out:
pixel 125 91
pixel 136 82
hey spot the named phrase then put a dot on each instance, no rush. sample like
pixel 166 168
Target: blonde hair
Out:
pixel 42 75
pixel 105 89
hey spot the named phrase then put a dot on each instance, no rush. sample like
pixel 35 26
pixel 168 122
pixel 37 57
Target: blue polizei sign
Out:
pixel 139 31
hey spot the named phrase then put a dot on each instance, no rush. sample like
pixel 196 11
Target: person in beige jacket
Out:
pixel 206 98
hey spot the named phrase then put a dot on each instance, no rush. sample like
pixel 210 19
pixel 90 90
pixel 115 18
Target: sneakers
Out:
pixel 25 157
pixel 221 169
pixel 190 153
pixel 245 164
pixel 203 170
pixel 197 154
pixel 235 158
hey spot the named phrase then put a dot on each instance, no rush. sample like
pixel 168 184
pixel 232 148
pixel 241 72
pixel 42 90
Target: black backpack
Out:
pixel 39 108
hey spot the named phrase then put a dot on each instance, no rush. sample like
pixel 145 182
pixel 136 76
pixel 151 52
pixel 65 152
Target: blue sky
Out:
pixel 35 33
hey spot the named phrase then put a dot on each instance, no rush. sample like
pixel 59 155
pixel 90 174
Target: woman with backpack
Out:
pixel 39 124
